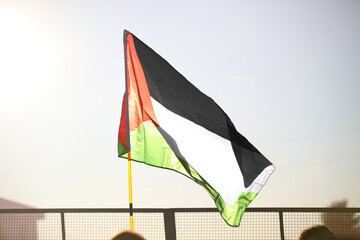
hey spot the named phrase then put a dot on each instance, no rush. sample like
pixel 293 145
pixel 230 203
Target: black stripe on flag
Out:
pixel 173 91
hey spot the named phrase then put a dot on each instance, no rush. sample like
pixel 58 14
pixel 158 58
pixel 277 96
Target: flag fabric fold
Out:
pixel 168 123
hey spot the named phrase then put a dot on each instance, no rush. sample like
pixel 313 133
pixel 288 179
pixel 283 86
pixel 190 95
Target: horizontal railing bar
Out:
pixel 272 210
pixel 161 210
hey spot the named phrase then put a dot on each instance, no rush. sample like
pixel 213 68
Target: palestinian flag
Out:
pixel 167 122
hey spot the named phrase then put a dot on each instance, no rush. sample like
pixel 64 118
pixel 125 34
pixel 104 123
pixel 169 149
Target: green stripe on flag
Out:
pixel 149 146
pixel 121 149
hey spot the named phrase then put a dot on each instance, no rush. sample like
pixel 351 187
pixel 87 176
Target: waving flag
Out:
pixel 167 122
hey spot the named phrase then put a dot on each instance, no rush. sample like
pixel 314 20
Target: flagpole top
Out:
pixel 126 32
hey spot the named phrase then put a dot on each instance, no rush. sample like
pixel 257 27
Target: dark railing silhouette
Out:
pixel 174 223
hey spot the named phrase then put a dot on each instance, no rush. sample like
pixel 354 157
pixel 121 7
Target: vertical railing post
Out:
pixel 281 225
pixel 169 222
pixel 62 226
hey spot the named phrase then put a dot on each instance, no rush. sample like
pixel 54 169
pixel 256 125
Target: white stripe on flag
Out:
pixel 209 154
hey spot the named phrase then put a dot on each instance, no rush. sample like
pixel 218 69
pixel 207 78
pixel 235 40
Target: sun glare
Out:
pixel 26 59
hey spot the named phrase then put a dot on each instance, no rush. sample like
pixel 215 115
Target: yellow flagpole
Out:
pixel 128 141
pixel 130 194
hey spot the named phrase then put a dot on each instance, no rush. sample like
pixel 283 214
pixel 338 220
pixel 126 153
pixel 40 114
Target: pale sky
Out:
pixel 286 72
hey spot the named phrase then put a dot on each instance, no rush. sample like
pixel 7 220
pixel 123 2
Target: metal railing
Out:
pixel 174 223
